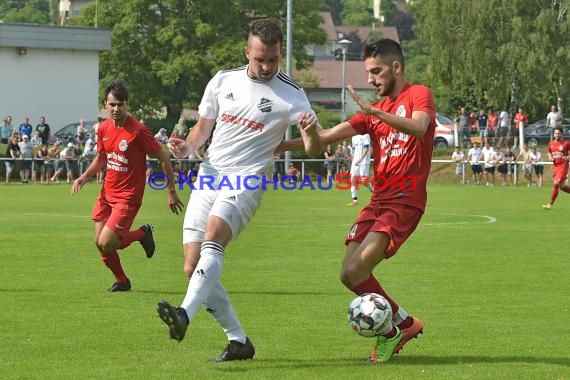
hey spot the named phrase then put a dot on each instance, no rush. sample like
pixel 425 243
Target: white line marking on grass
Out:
pixel 486 220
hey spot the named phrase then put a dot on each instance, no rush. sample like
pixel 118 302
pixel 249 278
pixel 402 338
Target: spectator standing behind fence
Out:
pixel 36 139
pixel 13 152
pixel 520 121
pixel 511 160
pixel 462 121
pixel 53 160
pixel 88 156
pixel 473 157
pixel 40 164
pixel 26 155
pixel 81 131
pixel 489 158
pixel 26 128
pixel 340 159
pixel 278 166
pixel 524 156
pixel 503 131
pixel 330 162
pixel 44 130
pixel 459 158
pixel 536 158
pixel 347 150
pixel 559 153
pixel 502 166
pixel 67 161
pixel 482 122
pixel 553 119
pixel 5 130
pixel 293 173
pixel 492 124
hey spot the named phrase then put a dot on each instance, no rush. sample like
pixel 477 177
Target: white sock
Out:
pixel 205 277
pixel 219 306
pixel 353 192
pixel 400 316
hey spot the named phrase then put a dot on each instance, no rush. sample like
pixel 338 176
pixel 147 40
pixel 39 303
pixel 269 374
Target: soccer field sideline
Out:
pixel 478 273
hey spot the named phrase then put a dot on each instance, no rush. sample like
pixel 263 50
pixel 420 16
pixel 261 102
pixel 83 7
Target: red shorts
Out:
pixel 396 220
pixel 119 217
pixel 560 173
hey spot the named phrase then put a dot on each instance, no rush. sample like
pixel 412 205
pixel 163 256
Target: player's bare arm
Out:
pixel 174 203
pixel 416 126
pixel 196 138
pixel 339 132
pixel 98 162
pixel 307 124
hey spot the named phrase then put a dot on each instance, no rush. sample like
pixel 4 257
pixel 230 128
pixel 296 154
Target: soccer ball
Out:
pixel 370 315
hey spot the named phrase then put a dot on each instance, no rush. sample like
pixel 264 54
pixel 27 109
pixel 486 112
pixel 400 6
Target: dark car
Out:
pixel 538 133
pixel 68 133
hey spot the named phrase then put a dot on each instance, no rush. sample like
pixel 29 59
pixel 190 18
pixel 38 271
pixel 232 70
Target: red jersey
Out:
pixel 520 119
pixel 492 120
pixel 557 150
pixel 126 149
pixel 401 162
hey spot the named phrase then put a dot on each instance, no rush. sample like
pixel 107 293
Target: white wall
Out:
pixel 61 85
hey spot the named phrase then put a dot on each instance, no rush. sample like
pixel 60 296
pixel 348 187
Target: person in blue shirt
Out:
pixel 26 128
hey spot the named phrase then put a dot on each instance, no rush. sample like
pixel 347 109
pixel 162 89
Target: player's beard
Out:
pixel 387 87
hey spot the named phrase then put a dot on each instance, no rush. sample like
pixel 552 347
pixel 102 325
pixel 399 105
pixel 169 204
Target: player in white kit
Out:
pixel 360 167
pixel 251 108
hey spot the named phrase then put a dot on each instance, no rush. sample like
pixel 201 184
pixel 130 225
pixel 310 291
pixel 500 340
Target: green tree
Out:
pixel 26 11
pixel 498 53
pixel 357 12
pixel 168 50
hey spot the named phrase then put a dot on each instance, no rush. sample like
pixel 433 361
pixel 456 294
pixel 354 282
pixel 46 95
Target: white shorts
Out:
pixel 362 170
pixel 234 204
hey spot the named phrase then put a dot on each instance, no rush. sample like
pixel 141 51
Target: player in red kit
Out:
pixel 122 145
pixel 559 153
pixel 401 129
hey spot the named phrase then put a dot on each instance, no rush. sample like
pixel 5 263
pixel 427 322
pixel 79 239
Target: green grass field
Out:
pixel 487 271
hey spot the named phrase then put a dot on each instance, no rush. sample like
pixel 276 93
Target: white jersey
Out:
pixel 359 143
pixel 251 119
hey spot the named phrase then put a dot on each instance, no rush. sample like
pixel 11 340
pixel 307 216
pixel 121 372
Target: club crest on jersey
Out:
pixel 123 145
pixel 265 105
pixel 401 111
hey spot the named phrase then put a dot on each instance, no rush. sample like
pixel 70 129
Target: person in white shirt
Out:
pixel 251 108
pixel 503 128
pixel 536 159
pixel 459 158
pixel 26 154
pixel 473 157
pixel 360 166
pixel 489 158
pixel 553 119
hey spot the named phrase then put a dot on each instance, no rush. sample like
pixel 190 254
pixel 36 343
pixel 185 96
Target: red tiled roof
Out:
pixel 329 74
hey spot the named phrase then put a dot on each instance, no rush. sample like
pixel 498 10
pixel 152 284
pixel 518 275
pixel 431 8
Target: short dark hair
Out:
pixel 268 31
pixel 389 51
pixel 559 128
pixel 117 87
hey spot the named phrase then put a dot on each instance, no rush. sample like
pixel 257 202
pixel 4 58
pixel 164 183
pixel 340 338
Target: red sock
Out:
pixel 406 323
pixel 554 194
pixel 113 262
pixel 128 237
pixel 371 285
